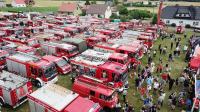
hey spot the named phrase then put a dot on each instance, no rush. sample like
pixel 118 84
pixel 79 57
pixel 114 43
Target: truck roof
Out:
pixel 55 96
pixel 51 58
pixel 11 81
pixel 24 57
pixel 73 40
pixel 111 45
pixel 88 60
pixel 119 56
pixel 61 45
pixel 128 48
pixel 97 54
pixel 85 105
pixel 114 66
pixel 25 48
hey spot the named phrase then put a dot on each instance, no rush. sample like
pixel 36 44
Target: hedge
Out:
pixel 33 9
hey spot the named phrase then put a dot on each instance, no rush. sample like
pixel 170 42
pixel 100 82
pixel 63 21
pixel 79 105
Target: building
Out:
pixel 18 3
pixel 2 3
pixel 188 16
pixel 99 10
pixel 70 9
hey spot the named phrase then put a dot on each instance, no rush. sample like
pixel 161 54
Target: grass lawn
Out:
pixel 177 66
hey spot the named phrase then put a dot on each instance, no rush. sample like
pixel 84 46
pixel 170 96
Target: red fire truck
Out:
pixel 131 51
pixel 109 72
pixel 38 70
pixel 180 29
pixel 33 42
pixel 91 41
pixel 148 40
pixel 107 56
pixel 3 55
pixel 13 89
pixel 62 65
pixel 26 49
pixel 59 49
pixel 54 98
pixel 96 90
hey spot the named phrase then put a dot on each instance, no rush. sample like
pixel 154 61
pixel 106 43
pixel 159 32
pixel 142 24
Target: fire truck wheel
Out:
pixel 1 102
pixel 38 84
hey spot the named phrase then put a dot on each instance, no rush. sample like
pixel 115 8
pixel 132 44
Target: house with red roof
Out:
pixel 70 9
pixel 18 3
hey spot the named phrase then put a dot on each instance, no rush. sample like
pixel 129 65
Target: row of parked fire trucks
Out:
pixel 35 52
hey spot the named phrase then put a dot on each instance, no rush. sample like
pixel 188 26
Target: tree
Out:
pixel 123 10
pixel 154 19
pixel 29 3
pixel 116 2
pixel 93 2
pixel 87 2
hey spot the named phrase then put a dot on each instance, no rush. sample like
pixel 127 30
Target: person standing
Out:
pixel 170 59
pixel 171 83
pixel 124 94
pixel 172 44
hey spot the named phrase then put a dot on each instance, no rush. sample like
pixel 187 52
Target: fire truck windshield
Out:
pixel 108 98
pixel 61 62
pixel 32 42
pixel 131 55
pixel 73 50
pixel 50 71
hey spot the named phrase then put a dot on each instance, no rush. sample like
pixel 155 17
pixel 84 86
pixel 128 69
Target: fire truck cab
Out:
pixel 148 40
pixel 38 70
pixel 54 98
pixel 13 89
pixel 62 65
pixel 59 49
pixel 96 90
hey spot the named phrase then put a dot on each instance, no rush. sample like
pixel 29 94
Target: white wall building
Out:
pixel 18 3
pixel 181 15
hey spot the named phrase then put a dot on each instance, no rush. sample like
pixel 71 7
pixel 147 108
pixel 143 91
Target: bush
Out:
pixel 187 26
pixel 25 9
pixel 173 25
pixel 139 14
pixel 123 10
pixel 154 20
pixel 114 16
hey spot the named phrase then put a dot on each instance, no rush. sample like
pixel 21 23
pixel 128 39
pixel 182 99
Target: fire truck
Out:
pixel 72 31
pixel 59 49
pixel 13 89
pixel 26 49
pixel 148 40
pixel 38 70
pixel 107 56
pixel 33 42
pixel 62 65
pixel 91 41
pixel 96 90
pixel 132 52
pixel 109 72
pixel 54 98
pixel 3 55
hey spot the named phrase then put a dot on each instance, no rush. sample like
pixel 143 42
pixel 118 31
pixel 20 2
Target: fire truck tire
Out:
pixel 38 83
pixel 2 103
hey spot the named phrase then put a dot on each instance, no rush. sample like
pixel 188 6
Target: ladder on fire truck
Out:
pixel 197 93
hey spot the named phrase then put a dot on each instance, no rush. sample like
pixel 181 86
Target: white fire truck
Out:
pixel 60 49
pixel 54 98
pixel 40 71
pixel 13 89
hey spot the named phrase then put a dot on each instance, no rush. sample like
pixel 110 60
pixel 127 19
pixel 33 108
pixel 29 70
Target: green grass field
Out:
pixel 177 66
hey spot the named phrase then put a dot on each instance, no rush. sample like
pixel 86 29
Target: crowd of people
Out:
pixel 155 82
